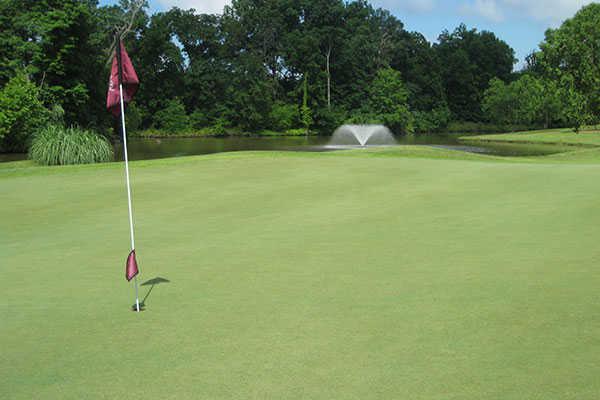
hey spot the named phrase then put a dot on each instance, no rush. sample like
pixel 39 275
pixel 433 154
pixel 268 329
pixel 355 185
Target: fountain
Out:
pixel 353 135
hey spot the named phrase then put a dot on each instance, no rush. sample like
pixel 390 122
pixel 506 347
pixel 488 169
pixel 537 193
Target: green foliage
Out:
pixel 219 126
pixel 62 46
pixel 435 120
pixel 534 101
pixel 57 115
pixel 571 52
pixel 133 118
pixel 575 106
pixel 288 132
pixel 328 119
pixel 56 145
pixel 21 114
pixel 198 119
pixel 305 111
pixel 388 101
pixel 468 61
pixel 283 116
pixel 250 65
pixel 172 117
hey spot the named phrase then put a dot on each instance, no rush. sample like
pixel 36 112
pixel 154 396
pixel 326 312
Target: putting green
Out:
pixel 421 274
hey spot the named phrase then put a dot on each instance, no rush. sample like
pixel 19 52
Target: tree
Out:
pixel 573 51
pixel 21 113
pixel 469 60
pixel 575 105
pixel 171 118
pixel 388 100
pixel 305 112
pixel 159 64
pixel 535 102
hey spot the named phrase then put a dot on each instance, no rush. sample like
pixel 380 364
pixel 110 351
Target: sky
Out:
pixel 521 23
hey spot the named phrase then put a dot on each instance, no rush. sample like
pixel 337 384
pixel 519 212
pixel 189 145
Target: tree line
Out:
pixel 282 65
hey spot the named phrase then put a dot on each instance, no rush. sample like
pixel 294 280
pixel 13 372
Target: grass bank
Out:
pixel 213 132
pixel 394 273
pixel 562 137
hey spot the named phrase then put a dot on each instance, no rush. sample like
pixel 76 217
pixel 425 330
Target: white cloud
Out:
pixel 552 11
pixel 201 6
pixel 415 6
pixel 486 8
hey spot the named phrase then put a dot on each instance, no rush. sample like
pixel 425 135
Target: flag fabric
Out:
pixel 129 80
pixel 131 267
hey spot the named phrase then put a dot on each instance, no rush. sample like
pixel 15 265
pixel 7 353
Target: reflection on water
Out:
pixel 144 149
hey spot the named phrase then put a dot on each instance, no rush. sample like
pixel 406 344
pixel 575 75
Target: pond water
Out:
pixel 141 149
pixel 144 149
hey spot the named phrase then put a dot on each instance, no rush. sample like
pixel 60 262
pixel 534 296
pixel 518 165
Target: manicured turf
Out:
pixel 396 274
pixel 564 137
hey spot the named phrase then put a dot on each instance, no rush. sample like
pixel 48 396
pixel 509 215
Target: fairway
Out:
pixel 356 275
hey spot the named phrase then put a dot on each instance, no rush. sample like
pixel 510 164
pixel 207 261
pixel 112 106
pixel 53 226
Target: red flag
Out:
pixel 131 268
pixel 129 80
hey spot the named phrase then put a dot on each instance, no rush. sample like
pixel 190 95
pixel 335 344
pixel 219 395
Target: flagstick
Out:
pixel 137 299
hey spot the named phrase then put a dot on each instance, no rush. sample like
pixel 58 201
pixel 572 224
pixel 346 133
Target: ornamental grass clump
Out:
pixel 56 145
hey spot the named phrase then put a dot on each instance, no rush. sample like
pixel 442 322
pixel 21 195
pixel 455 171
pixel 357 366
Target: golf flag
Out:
pixel 131 268
pixel 122 71
pixel 122 85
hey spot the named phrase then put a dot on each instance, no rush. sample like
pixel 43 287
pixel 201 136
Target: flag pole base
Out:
pixel 142 307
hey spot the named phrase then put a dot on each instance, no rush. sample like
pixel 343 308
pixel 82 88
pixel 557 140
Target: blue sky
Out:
pixel 521 23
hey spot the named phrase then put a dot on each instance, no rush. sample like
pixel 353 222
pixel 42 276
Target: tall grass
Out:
pixel 56 145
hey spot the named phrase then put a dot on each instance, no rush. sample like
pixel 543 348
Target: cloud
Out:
pixel 549 11
pixel 554 11
pixel 414 6
pixel 488 9
pixel 201 6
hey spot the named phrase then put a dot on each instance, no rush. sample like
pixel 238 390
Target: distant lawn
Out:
pixel 590 138
pixel 405 273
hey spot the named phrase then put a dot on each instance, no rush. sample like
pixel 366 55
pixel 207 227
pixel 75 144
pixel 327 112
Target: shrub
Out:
pixel 56 145
pixel 133 118
pixel 56 115
pixel 305 111
pixel 283 116
pixel 218 127
pixel 328 119
pixel 435 120
pixel 388 101
pixel 21 114
pixel 198 120
pixel 172 117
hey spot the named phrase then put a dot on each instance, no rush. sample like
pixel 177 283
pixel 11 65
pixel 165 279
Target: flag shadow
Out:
pixel 152 282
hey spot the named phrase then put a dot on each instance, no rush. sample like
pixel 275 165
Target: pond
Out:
pixel 144 149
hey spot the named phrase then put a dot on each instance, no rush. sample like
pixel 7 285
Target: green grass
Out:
pixel 389 274
pixel 564 137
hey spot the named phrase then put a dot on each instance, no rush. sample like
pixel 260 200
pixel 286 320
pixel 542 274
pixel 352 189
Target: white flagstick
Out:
pixel 137 300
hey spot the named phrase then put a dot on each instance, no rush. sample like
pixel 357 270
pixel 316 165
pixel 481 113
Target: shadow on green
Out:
pixel 152 282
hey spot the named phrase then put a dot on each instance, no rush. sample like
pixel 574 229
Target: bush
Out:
pixel 172 117
pixel 56 145
pixel 133 118
pixel 388 101
pixel 328 119
pixel 198 120
pixel 283 116
pixel 218 127
pixel 21 114
pixel 431 121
